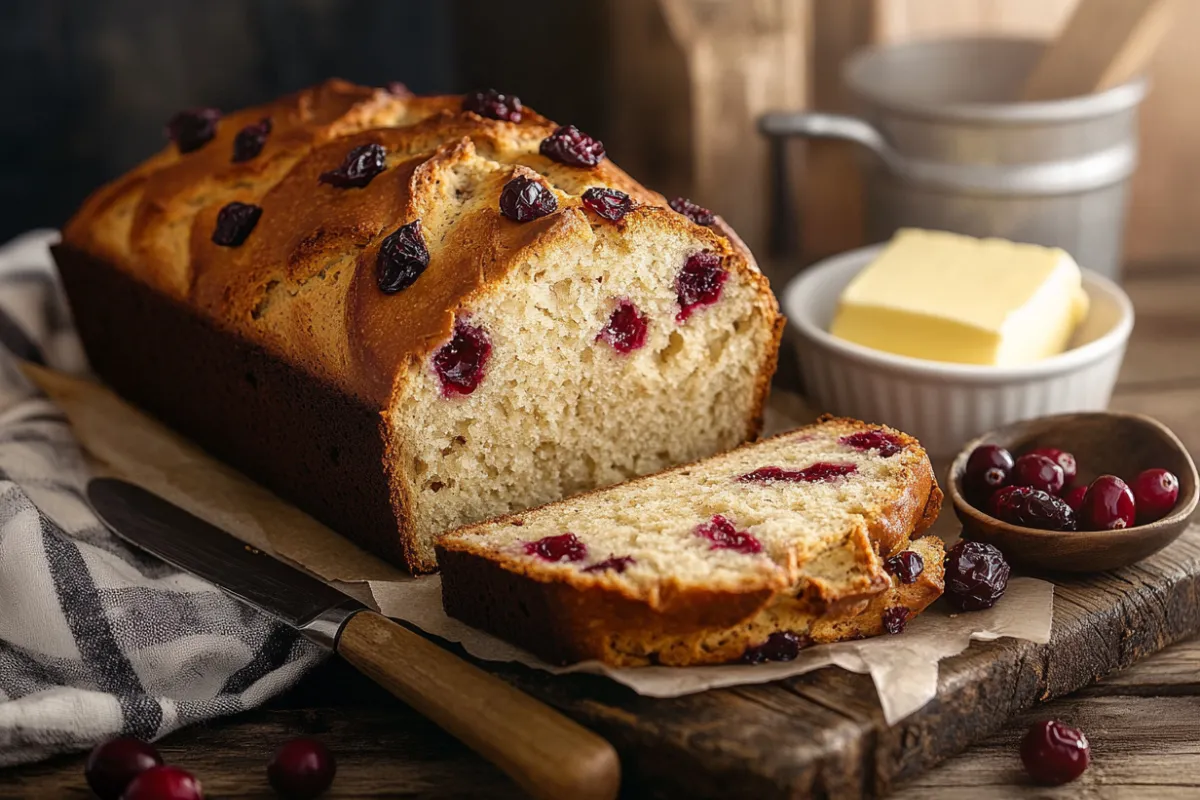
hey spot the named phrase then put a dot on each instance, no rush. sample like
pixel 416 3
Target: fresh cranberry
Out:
pixel 250 140
pixel 234 223
pixel 1032 508
pixel 611 204
pixel 571 146
pixel 1070 467
pixel 358 168
pixel 1108 505
pixel 888 444
pixel 615 563
pixel 699 283
pixel 724 535
pixel 524 200
pixel 987 470
pixel 895 619
pixel 779 646
pixel 1074 499
pixel 626 328
pixel 976 575
pixel 1155 492
pixel 1054 753
pixel 164 783
pixel 115 763
pixel 460 362
pixel 697 214
pixel 493 104
pixel 820 472
pixel 906 565
pixel 301 769
pixel 564 547
pixel 190 130
pixel 402 258
pixel 1038 472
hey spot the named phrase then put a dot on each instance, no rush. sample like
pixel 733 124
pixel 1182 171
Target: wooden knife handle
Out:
pixel 549 755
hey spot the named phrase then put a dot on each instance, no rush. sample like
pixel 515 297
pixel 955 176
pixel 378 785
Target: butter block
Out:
pixel 947 297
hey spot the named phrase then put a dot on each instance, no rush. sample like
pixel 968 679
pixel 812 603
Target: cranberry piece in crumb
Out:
pixel 1108 505
pixel 820 472
pixel 402 258
pixel 301 769
pixel 564 547
pixel 615 563
pixel 906 565
pixel 888 444
pixel 976 575
pixel 1155 492
pixel 234 223
pixel 626 328
pixel 779 646
pixel 164 783
pixel 1038 472
pixel 114 764
pixel 250 140
pixel 190 130
pixel 724 535
pixel 571 146
pixel 1032 508
pixel 358 168
pixel 1054 753
pixel 1064 459
pixel 524 200
pixel 699 283
pixel 697 214
pixel 460 362
pixel 610 204
pixel 987 470
pixel 895 619
pixel 1074 499
pixel 493 104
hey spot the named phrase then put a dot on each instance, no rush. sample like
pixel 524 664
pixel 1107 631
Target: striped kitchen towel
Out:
pixel 97 639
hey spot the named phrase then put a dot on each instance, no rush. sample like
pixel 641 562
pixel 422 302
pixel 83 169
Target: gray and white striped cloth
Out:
pixel 97 639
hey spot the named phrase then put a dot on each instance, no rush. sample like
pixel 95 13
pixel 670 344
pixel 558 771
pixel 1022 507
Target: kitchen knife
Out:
pixel 549 755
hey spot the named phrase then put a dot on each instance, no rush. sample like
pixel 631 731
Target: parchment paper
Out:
pixel 122 441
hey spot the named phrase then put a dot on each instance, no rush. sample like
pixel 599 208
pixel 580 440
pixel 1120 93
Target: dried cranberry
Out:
pixel 190 130
pixel 524 200
pixel 461 362
pixel 1108 505
pixel 976 575
pixel 358 168
pixel 697 214
pixel 895 619
pixel 1038 472
pixel 1032 508
pixel 115 763
pixel 164 783
pixel 564 547
pixel 234 223
pixel 987 470
pixel 906 565
pixel 402 258
pixel 615 563
pixel 1064 459
pixel 888 444
pixel 820 472
pixel 610 204
pixel 571 146
pixel 301 769
pixel 1155 492
pixel 1054 753
pixel 779 646
pixel 250 140
pixel 725 536
pixel 626 328
pixel 493 104
pixel 699 283
pixel 1074 499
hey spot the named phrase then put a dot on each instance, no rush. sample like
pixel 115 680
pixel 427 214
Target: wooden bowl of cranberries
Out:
pixel 1075 492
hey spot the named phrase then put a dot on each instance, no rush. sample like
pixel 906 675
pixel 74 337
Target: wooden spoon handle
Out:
pixel 549 755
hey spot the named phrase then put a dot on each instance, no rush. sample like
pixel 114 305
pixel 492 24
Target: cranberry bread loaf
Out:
pixel 411 313
pixel 806 537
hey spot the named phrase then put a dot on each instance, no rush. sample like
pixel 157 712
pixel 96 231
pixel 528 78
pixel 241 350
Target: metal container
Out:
pixel 948 152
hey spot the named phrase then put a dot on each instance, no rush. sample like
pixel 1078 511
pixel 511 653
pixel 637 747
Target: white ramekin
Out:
pixel 942 404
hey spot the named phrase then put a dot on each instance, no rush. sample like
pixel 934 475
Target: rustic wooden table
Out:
pixel 1144 723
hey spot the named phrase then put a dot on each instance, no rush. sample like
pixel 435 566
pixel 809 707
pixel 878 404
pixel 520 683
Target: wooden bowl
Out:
pixel 1102 443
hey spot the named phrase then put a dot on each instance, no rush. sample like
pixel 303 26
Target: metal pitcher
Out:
pixel 948 151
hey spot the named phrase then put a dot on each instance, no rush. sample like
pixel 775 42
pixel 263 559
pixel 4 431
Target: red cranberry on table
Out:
pixel 1032 508
pixel 988 469
pixel 1038 472
pixel 1155 492
pixel 115 763
pixel 1064 459
pixel 1108 505
pixel 164 783
pixel 1054 753
pixel 976 575
pixel 301 769
pixel 1074 498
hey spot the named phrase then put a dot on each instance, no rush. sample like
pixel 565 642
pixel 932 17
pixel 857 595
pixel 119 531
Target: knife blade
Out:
pixel 547 754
